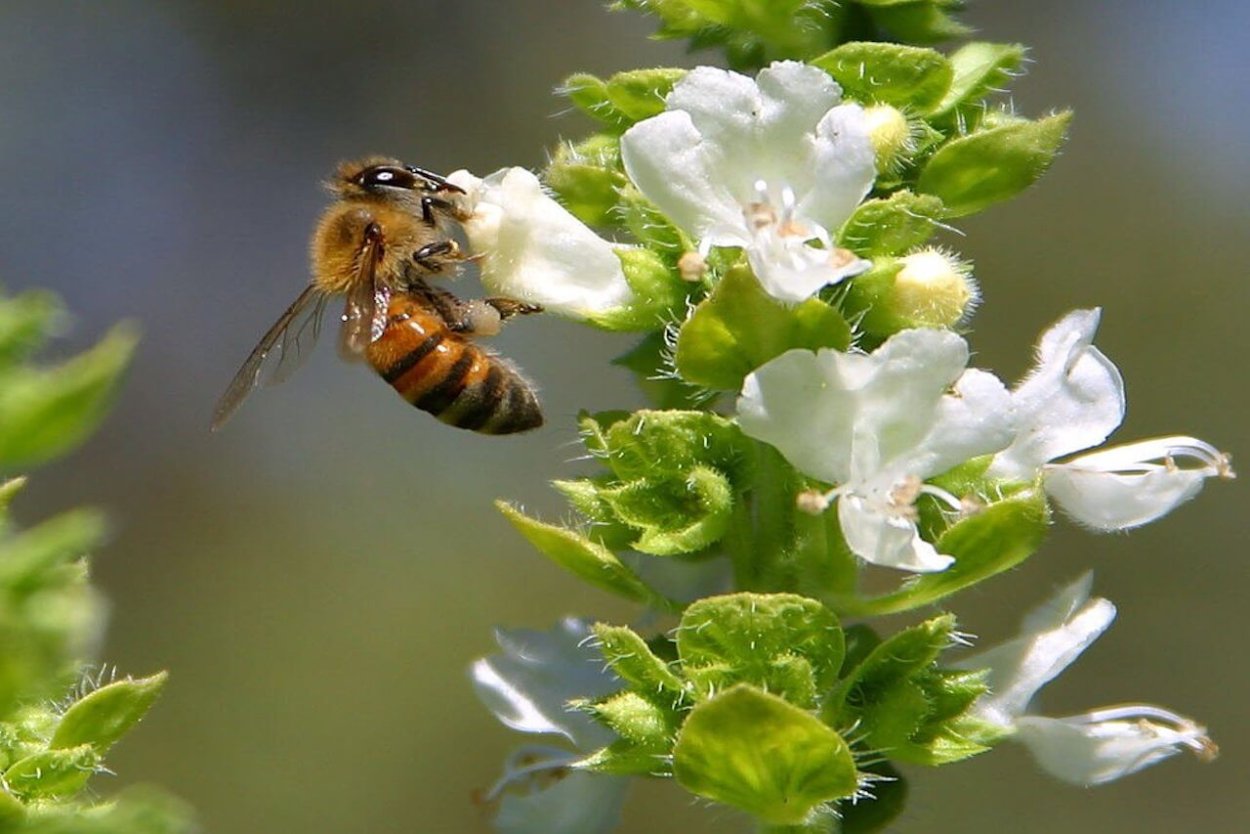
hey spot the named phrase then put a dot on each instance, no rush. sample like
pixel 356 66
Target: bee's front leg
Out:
pixel 509 307
pixel 435 257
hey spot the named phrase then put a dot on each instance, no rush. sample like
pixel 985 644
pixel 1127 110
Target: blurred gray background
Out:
pixel 318 576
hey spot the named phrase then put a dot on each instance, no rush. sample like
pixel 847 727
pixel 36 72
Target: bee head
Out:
pixel 383 178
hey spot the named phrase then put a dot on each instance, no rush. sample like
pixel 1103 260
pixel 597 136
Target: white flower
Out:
pixel 769 164
pixel 1087 749
pixel 528 688
pixel 532 249
pixel 877 426
pixel 1072 400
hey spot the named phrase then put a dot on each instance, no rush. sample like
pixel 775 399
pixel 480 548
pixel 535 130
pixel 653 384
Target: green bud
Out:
pixel 26 321
pixel 101 717
pixel 891 136
pixel 784 643
pixel 634 718
pixel 590 95
pixel 649 445
pixel 585 495
pixel 740 327
pixel 52 773
pixel 587 559
pixel 922 22
pixel 675 515
pixel 758 753
pixel 985 167
pixel 892 73
pixel 932 288
pixel 649 225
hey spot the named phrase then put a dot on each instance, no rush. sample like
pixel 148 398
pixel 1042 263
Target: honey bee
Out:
pixel 387 233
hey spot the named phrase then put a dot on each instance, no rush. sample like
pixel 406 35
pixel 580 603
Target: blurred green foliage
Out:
pixel 58 717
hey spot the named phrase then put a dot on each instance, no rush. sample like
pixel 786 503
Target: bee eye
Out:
pixel 386 176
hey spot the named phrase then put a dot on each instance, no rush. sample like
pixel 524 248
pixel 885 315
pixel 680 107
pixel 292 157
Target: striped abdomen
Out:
pixel 446 374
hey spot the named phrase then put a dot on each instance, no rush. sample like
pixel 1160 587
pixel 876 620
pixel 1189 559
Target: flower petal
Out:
pixel 791 271
pixel 842 169
pixel 1085 752
pixel 532 249
pixel 1130 485
pixel 1046 646
pixel 888 541
pixel 528 686
pixel 539 797
pixel 1071 400
pixel 666 157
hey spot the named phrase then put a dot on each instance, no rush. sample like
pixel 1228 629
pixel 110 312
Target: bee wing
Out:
pixel 364 317
pixel 293 334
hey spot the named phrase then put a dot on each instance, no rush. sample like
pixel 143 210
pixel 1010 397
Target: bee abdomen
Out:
pixel 464 386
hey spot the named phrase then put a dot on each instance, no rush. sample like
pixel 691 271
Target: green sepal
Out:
pixel 984 544
pixel 102 717
pixel 634 718
pixel 756 752
pixel 649 225
pixel 922 21
pixel 905 76
pixel 891 226
pixel 659 293
pixel 893 662
pixel 651 363
pixel 991 165
pixel 587 177
pixel 675 515
pixel 784 643
pixel 740 327
pixel 47 412
pixel 586 559
pixel 585 496
pixel 633 662
pixel 629 758
pixel 26 321
pixel 639 94
pixel 980 69
pixel 52 773
pixel 889 796
pixel 589 94
pixel 868 299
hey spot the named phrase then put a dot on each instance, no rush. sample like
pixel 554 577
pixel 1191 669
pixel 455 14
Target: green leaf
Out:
pixel 740 327
pixel 906 76
pixel 102 717
pixel 639 94
pixel 921 22
pixel 30 561
pixel 46 413
pixel 52 773
pixel 992 165
pixel 996 539
pixel 26 321
pixel 783 643
pixel 633 662
pixel 891 226
pixel 980 68
pixel 588 560
pixel 755 752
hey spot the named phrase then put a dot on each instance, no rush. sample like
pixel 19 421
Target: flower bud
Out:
pixel 890 134
pixel 933 289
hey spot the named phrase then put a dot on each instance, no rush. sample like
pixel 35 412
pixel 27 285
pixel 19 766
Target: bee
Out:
pixel 388 231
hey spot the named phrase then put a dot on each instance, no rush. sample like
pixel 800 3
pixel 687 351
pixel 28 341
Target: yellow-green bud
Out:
pixel 933 289
pixel 891 135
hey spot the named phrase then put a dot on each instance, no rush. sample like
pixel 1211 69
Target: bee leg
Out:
pixel 509 307
pixel 431 204
pixel 433 257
